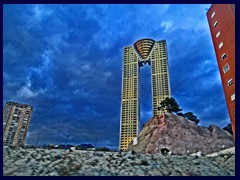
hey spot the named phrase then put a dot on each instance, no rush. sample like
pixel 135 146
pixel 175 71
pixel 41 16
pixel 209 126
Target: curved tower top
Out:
pixel 144 47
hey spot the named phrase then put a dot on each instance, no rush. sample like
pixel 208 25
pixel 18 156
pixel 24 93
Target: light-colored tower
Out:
pixel 16 119
pixel 144 51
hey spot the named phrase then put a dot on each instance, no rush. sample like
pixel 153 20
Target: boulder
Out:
pixel 180 136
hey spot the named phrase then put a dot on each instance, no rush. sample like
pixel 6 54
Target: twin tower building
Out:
pixel 143 52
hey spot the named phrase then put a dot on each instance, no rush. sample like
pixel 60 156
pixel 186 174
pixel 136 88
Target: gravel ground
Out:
pixel 43 162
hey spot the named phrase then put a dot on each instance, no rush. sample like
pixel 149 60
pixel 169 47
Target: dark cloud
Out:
pixel 66 61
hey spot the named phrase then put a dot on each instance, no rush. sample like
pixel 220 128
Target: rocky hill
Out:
pixel 180 136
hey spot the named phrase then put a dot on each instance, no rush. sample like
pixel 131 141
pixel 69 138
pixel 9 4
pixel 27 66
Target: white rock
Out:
pixel 199 153
pixel 53 174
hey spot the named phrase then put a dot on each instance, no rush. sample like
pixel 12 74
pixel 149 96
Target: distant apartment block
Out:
pixel 221 20
pixel 16 119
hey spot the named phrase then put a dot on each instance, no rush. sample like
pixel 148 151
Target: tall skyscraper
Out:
pixel 221 20
pixel 144 51
pixel 16 119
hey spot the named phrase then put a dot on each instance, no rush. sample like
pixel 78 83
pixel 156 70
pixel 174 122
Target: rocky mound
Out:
pixel 180 136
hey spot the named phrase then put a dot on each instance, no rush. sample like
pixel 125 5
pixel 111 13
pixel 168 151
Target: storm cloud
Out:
pixel 66 61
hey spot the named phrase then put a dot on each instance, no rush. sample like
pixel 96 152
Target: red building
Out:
pixel 221 20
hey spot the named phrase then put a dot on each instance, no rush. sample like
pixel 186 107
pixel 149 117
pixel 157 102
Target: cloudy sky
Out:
pixel 66 61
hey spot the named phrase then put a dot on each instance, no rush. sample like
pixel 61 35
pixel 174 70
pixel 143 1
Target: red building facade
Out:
pixel 221 20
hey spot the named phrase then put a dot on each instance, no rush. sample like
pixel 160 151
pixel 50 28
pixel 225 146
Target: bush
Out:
pixel 103 149
pixel 228 128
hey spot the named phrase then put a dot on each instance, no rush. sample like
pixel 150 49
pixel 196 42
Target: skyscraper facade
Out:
pixel 16 119
pixel 144 51
pixel 221 20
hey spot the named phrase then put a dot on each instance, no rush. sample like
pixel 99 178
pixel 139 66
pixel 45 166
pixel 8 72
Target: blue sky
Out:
pixel 66 61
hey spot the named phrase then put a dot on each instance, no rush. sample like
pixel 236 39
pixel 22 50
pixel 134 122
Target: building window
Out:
pixel 229 82
pixel 233 97
pixel 213 14
pixel 224 56
pixel 218 34
pixel 215 24
pixel 226 68
pixel 220 45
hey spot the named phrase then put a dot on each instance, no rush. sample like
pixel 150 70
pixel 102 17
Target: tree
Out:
pixel 170 105
pixel 190 116
pixel 228 128
pixel 180 114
